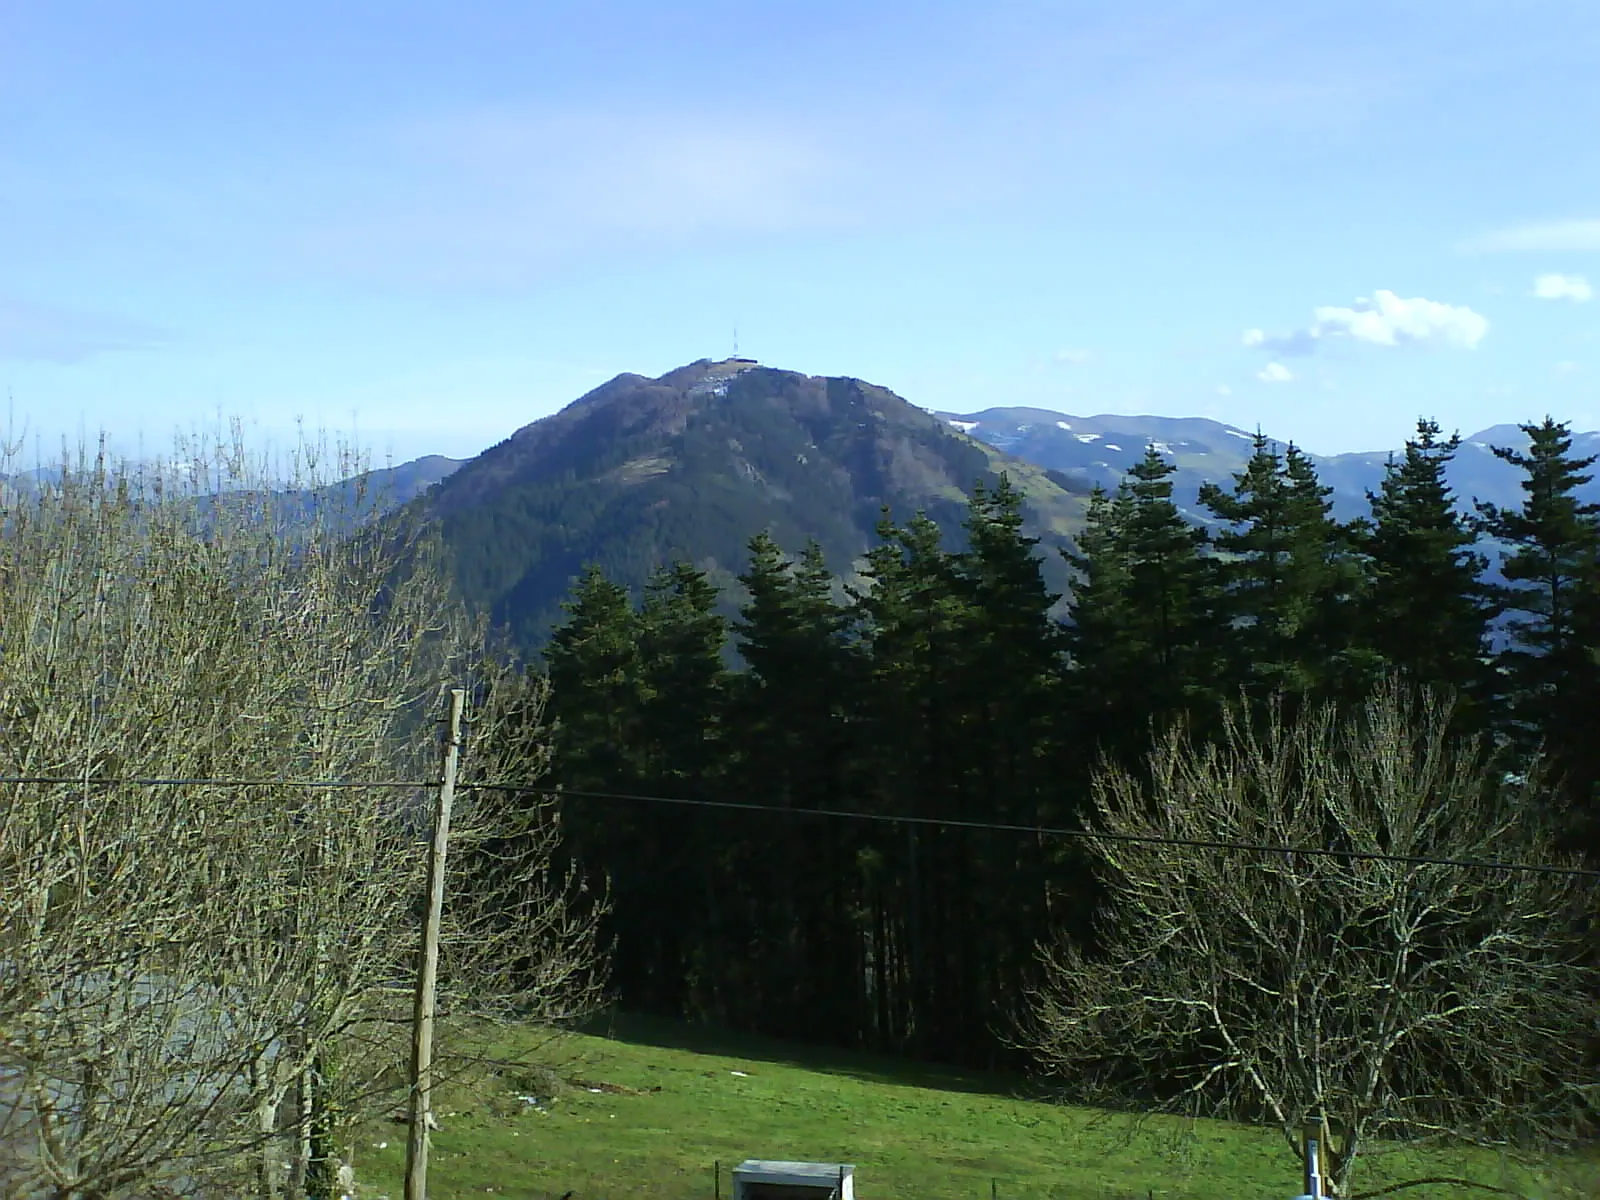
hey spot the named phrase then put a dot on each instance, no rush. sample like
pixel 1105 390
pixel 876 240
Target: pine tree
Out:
pixel 1011 637
pixel 1289 577
pixel 912 613
pixel 1143 638
pixel 638 697
pixel 596 686
pixel 1100 637
pixel 1427 612
pixel 965 669
pixel 1009 688
pixel 685 853
pixel 681 638
pixel 792 737
pixel 1552 666
pixel 1169 587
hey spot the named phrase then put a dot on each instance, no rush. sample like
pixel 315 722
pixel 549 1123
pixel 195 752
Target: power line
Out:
pixel 836 814
pixel 1059 832
pixel 160 781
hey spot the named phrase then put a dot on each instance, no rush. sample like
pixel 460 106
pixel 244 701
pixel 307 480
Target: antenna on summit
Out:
pixel 736 341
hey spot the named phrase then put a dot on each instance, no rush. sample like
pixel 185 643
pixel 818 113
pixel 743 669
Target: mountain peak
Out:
pixel 691 464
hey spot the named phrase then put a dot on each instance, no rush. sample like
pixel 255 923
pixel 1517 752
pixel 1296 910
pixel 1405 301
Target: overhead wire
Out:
pixel 1045 831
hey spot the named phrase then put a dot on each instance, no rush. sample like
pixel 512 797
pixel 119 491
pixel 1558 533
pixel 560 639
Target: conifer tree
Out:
pixel 1010 688
pixel 1169 578
pixel 1100 637
pixel 1427 612
pixel 792 739
pixel 912 618
pixel 1012 637
pixel 1551 668
pixel 964 668
pixel 1144 637
pixel 637 697
pixel 684 852
pixel 1288 577
pixel 596 686
pixel 681 636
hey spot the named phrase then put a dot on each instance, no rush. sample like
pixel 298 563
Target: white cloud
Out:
pixel 1563 287
pixel 1224 390
pixel 1384 320
pixel 1387 320
pixel 1073 357
pixel 1563 369
pixel 1547 235
pixel 1274 372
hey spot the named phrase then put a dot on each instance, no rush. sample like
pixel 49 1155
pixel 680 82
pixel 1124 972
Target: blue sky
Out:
pixel 432 224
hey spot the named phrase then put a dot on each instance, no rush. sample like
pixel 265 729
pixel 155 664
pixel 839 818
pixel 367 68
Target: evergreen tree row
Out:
pixel 939 687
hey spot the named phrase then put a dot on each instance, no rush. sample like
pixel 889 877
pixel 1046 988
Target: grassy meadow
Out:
pixel 645 1108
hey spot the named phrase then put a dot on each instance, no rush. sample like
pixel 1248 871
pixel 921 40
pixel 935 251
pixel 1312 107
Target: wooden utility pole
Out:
pixel 428 966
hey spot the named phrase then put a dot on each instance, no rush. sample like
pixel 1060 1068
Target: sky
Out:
pixel 422 226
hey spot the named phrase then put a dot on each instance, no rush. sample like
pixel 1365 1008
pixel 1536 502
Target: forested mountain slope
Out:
pixel 642 472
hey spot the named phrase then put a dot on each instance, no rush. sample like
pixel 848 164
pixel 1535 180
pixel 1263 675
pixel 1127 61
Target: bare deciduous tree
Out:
pixel 1397 1000
pixel 195 980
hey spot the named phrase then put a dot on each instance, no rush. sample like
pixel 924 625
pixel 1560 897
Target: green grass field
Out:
pixel 672 1101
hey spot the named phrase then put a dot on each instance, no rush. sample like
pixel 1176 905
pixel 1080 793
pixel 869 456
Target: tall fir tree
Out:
pixel 1551 666
pixel 793 747
pixel 912 613
pixel 1010 685
pixel 960 714
pixel 1100 637
pixel 596 686
pixel 1427 612
pixel 1289 578
pixel 681 637
pixel 686 850
pixel 1143 637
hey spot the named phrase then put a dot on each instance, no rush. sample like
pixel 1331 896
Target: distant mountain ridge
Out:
pixel 1100 450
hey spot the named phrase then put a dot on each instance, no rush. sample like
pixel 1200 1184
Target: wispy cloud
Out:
pixel 1293 345
pixel 46 333
pixel 494 195
pixel 1546 235
pixel 1274 372
pixel 1383 320
pixel 1563 287
pixel 1073 357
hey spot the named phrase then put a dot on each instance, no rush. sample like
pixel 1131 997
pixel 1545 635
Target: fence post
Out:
pixel 428 966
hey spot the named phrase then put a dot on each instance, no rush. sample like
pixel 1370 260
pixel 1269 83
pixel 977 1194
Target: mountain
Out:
pixel 379 490
pixel 400 484
pixel 691 465
pixel 1099 450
